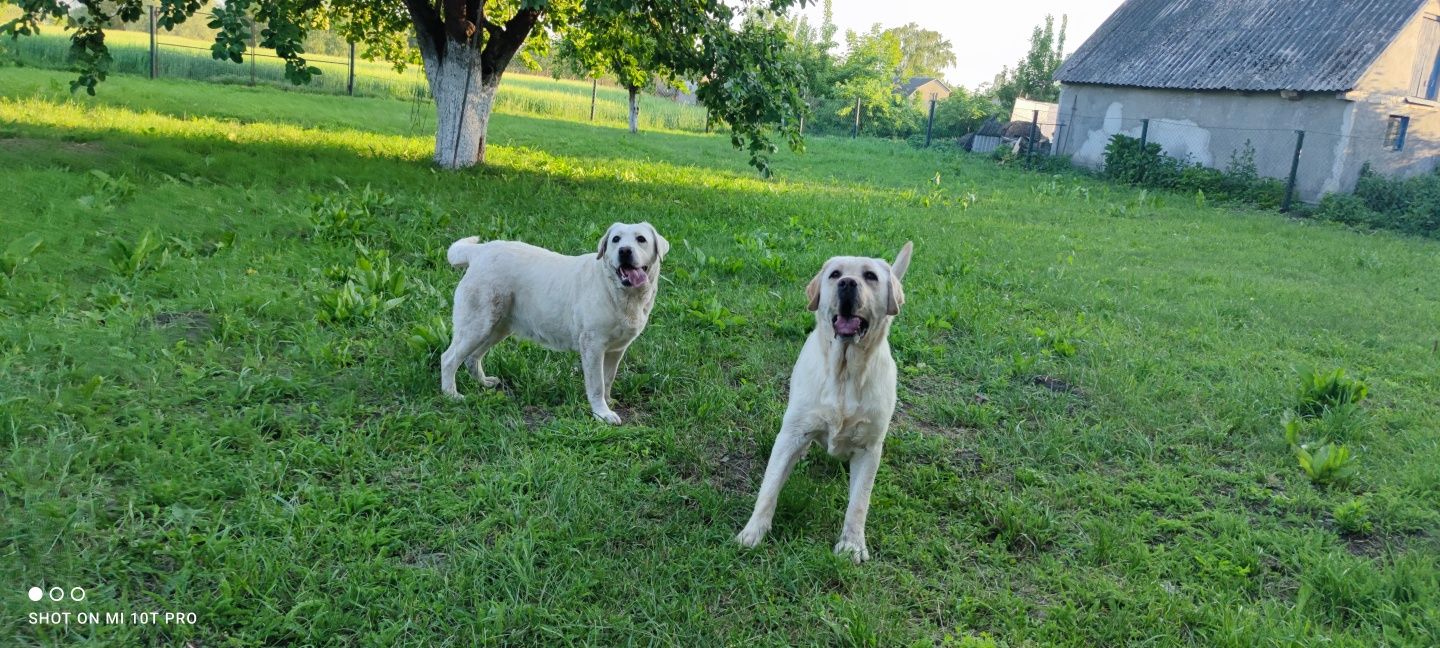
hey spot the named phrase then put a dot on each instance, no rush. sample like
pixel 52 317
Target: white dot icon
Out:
pixel 36 593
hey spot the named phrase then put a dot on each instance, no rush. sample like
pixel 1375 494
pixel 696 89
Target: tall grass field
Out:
pixel 1126 418
pixel 189 58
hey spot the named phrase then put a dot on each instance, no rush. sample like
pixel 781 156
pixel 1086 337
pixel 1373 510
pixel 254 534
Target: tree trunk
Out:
pixel 634 109
pixel 464 96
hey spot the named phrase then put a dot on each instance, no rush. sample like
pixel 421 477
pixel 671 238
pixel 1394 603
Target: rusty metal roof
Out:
pixel 1302 45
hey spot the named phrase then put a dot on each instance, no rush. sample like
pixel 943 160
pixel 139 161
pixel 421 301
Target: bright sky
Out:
pixel 986 35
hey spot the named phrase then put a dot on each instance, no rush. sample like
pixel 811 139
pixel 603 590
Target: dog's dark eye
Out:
pixel 616 239
pixel 835 274
pixel 639 239
pixel 870 276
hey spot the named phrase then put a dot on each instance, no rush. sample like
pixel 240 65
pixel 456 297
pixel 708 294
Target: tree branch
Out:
pixel 502 45
pixel 428 29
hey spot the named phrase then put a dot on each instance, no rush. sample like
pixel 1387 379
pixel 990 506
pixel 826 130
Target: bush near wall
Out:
pixel 1126 161
pixel 1409 205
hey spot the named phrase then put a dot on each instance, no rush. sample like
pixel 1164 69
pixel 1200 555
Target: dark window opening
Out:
pixel 1395 132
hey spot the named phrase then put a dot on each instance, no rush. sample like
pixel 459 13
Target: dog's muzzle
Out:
pixel 630 274
pixel 846 323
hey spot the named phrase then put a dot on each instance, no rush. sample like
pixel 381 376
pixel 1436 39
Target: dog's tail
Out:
pixel 459 253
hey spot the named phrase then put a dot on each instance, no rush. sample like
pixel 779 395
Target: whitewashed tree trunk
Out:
pixel 464 97
pixel 634 110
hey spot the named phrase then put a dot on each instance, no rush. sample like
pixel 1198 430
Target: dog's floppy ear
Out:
pixel 812 290
pixel 895 297
pixel 605 241
pixel 662 246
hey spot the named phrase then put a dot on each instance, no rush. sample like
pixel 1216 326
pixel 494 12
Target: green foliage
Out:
pixel 1353 517
pixel 130 259
pixel 348 214
pixel 962 112
pixel 1409 205
pixel 1323 462
pixel 1319 392
pixel 194 435
pixel 368 289
pixel 923 52
pixel 711 314
pixel 1127 162
pixel 1033 77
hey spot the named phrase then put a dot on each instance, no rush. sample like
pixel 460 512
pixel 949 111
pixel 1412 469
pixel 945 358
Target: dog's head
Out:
pixel 633 253
pixel 851 295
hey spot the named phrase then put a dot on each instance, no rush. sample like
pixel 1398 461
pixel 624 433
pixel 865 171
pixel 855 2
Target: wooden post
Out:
pixel 1144 133
pixel 1294 170
pixel 594 83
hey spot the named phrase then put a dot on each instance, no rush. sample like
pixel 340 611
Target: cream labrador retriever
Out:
pixel 596 304
pixel 842 390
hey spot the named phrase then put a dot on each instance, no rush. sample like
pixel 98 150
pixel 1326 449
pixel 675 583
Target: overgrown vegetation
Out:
pixel 1086 451
pixel 1128 162
pixel 1409 205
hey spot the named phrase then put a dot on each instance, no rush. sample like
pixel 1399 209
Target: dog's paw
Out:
pixel 490 382
pixel 454 396
pixel 855 549
pixel 608 417
pixel 750 536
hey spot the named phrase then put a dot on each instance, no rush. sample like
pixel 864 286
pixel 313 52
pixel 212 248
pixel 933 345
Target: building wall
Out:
pixel 1210 127
pixel 1024 110
pixel 1343 132
pixel 1382 92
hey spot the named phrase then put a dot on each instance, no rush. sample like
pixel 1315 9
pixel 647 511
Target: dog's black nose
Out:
pixel 626 253
pixel 848 285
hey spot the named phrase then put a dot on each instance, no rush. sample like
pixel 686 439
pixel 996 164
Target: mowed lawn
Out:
pixel 219 394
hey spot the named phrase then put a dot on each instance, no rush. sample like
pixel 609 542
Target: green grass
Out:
pixel 1089 448
pixel 189 58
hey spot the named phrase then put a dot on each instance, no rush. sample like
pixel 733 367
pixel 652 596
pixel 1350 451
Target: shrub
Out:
pixel 1410 205
pixel 1240 181
pixel 1325 463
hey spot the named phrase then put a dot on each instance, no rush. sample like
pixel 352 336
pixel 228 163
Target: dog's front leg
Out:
pixel 790 445
pixel 612 365
pixel 863 466
pixel 592 360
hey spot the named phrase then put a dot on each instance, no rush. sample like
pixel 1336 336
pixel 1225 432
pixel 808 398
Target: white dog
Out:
pixel 595 304
pixel 842 391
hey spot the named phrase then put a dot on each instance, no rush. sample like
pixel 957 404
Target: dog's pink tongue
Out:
pixel 636 276
pixel 847 325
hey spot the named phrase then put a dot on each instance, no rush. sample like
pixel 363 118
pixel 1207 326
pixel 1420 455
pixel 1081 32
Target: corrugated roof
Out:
pixel 1302 45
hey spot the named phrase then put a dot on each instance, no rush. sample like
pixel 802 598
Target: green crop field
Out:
pixel 220 315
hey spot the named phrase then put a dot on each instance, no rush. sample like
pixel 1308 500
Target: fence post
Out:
pixel 253 47
pixel 350 83
pixel 856 131
pixel 154 64
pixel 1030 141
pixel 1144 133
pixel 1294 170
pixel 594 83
pixel 930 123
